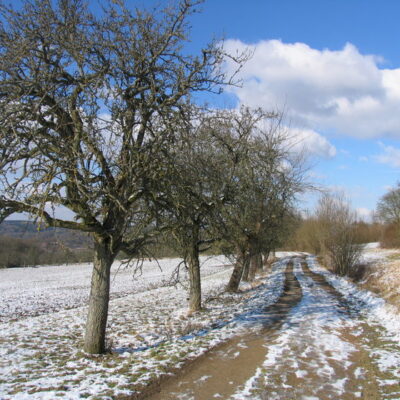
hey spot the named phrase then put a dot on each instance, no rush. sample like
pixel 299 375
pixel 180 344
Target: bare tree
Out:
pixel 267 178
pixel 388 208
pixel 201 173
pixel 337 233
pixel 191 193
pixel 87 107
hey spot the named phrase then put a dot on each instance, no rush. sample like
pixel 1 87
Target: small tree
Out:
pixel 388 208
pixel 87 107
pixel 388 211
pixel 337 233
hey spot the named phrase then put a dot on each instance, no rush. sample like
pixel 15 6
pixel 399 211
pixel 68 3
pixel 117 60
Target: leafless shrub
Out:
pixel 336 222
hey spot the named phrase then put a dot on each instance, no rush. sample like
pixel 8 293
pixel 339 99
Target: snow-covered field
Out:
pixel 43 313
pixel 149 329
pixel 373 254
pixel 41 290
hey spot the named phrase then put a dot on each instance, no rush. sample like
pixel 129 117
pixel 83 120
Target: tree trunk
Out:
pixel 253 267
pixel 265 260
pixel 272 257
pixel 259 262
pixel 95 335
pixel 194 272
pixel 236 276
pixel 246 268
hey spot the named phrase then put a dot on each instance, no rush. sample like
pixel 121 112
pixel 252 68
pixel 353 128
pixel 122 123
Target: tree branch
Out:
pixel 8 207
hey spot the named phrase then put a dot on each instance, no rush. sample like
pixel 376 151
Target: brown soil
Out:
pixel 299 372
pixel 321 281
pixel 315 384
pixel 230 365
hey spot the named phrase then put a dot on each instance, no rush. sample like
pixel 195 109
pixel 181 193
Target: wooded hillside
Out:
pixel 24 243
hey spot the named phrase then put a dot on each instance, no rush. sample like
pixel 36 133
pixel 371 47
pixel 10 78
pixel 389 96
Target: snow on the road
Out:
pixel 43 313
pixel 148 329
pixel 304 345
pixel 325 349
pixel 372 306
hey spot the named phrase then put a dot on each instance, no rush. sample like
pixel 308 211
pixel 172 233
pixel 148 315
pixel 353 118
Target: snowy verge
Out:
pixel 344 343
pixel 314 326
pixel 149 330
pixel 373 306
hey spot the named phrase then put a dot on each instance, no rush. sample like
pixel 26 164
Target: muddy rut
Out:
pixel 224 369
pixel 336 360
pixel 313 345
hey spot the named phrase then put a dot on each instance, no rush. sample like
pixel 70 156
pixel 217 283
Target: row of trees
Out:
pixel 97 116
pixel 232 180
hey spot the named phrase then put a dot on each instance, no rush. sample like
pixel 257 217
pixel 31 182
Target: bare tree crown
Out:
pixel 87 104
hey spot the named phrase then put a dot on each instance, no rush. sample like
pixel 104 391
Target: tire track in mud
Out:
pixel 366 338
pixel 326 351
pixel 295 356
pixel 324 284
pixel 220 372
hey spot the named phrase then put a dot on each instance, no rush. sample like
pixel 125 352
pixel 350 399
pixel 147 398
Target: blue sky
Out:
pixel 334 65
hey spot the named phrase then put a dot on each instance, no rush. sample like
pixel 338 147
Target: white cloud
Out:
pixel 311 142
pixel 364 213
pixel 390 156
pixel 343 90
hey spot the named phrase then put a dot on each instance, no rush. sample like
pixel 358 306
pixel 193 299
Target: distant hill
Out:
pixel 48 236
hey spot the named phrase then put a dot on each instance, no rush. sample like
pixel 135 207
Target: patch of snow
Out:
pixel 247 390
pixel 374 307
pixel 148 327
pixel 301 374
pixel 372 245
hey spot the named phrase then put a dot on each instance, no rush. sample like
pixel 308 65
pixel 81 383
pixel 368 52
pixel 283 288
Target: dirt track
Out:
pixel 296 356
pixel 222 370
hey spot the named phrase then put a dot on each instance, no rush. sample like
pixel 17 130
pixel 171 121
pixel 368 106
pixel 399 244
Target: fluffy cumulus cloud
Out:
pixel 311 142
pixel 342 91
pixel 390 155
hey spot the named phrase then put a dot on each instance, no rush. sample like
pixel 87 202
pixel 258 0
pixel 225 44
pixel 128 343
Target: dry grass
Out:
pixel 383 278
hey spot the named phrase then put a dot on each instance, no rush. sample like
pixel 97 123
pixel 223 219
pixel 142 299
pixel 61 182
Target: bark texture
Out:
pixel 253 267
pixel 246 268
pixel 233 284
pixel 194 273
pixel 99 297
pixel 266 263
pixel 259 262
